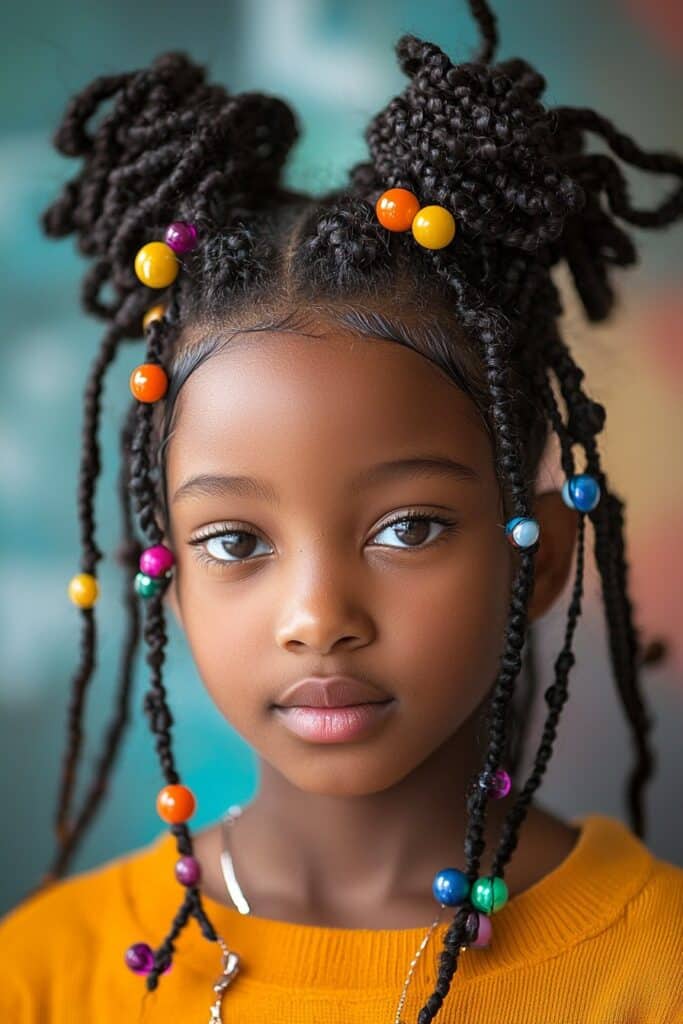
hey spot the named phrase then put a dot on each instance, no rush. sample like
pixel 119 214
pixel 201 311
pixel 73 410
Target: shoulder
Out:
pixel 72 903
pixel 59 929
pixel 660 900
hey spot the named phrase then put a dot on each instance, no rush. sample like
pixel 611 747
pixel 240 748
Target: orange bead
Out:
pixel 396 209
pixel 148 382
pixel 175 804
pixel 155 313
pixel 156 265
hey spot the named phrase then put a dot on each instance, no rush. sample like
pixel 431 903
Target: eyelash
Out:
pixel 205 559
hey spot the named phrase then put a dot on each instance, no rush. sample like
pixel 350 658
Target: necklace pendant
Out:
pixel 230 969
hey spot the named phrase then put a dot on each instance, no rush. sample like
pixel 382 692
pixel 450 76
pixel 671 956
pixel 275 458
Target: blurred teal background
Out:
pixel 334 62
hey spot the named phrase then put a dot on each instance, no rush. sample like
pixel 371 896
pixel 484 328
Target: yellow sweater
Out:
pixel 596 941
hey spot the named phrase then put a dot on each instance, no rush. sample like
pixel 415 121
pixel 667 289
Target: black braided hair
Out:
pixel 473 137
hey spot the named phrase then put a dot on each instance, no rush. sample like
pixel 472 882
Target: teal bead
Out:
pixel 145 586
pixel 489 894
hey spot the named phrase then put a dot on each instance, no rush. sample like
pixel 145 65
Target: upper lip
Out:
pixel 330 692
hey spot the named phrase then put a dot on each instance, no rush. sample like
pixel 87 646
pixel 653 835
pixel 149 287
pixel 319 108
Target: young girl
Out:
pixel 332 451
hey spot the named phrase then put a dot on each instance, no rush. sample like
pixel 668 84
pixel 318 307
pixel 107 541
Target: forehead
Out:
pixel 286 405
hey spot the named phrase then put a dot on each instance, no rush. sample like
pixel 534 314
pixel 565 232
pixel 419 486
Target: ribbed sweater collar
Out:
pixel 607 866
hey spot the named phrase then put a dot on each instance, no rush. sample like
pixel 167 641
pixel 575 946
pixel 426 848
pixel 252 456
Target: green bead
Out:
pixel 146 586
pixel 489 894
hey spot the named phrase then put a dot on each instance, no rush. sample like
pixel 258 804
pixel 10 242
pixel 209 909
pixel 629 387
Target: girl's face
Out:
pixel 304 575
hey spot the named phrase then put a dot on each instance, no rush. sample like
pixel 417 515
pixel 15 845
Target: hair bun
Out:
pixel 171 147
pixel 474 138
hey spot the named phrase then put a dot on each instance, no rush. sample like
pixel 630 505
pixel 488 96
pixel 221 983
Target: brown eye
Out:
pixel 231 545
pixel 414 530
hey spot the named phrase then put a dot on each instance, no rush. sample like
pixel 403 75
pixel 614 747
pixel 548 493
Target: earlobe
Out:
pixel 558 524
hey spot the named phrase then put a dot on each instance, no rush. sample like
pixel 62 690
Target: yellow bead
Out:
pixel 83 590
pixel 156 265
pixel 434 227
pixel 155 313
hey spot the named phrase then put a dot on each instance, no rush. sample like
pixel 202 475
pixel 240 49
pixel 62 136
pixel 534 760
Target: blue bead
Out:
pixel 581 492
pixel 522 532
pixel 450 886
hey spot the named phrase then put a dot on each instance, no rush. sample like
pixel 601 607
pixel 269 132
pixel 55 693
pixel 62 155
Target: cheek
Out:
pixel 448 639
pixel 227 636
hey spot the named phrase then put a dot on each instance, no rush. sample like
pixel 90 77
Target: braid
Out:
pixel 129 555
pixel 472 137
pixel 89 472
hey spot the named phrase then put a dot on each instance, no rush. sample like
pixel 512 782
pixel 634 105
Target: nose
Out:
pixel 324 610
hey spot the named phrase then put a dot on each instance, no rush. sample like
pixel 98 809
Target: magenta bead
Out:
pixel 501 784
pixel 156 561
pixel 140 958
pixel 181 236
pixel 187 871
pixel 483 939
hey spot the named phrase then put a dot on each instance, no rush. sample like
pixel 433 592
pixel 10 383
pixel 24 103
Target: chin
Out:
pixel 349 772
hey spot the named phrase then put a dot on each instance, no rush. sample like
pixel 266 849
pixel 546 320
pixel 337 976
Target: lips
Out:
pixel 331 692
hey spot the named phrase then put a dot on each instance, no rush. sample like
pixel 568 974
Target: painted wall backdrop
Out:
pixel 333 60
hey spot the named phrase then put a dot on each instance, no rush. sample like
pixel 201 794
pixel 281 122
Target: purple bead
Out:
pixel 140 958
pixel 501 785
pixel 181 236
pixel 156 561
pixel 187 871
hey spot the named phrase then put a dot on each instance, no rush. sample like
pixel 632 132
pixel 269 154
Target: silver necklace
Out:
pixel 231 959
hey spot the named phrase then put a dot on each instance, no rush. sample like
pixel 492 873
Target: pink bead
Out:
pixel 156 561
pixel 501 785
pixel 483 939
pixel 181 236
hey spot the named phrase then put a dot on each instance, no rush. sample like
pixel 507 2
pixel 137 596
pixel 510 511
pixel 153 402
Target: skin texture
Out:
pixel 350 834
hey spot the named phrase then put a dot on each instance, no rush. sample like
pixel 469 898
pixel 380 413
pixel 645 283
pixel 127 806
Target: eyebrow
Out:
pixel 216 485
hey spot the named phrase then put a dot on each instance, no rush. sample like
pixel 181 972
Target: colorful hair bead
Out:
pixel 145 586
pixel 181 236
pixel 396 209
pixel 156 561
pixel 522 532
pixel 188 871
pixel 450 886
pixel 148 382
pixel 83 590
pixel 489 894
pixel 434 227
pixel 581 492
pixel 156 265
pixel 155 313
pixel 501 785
pixel 175 804
pixel 140 958
pixel 485 931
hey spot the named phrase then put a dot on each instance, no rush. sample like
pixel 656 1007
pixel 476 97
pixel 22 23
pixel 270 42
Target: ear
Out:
pixel 558 526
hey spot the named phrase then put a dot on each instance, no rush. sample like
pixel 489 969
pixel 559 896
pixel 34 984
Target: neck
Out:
pixel 372 847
